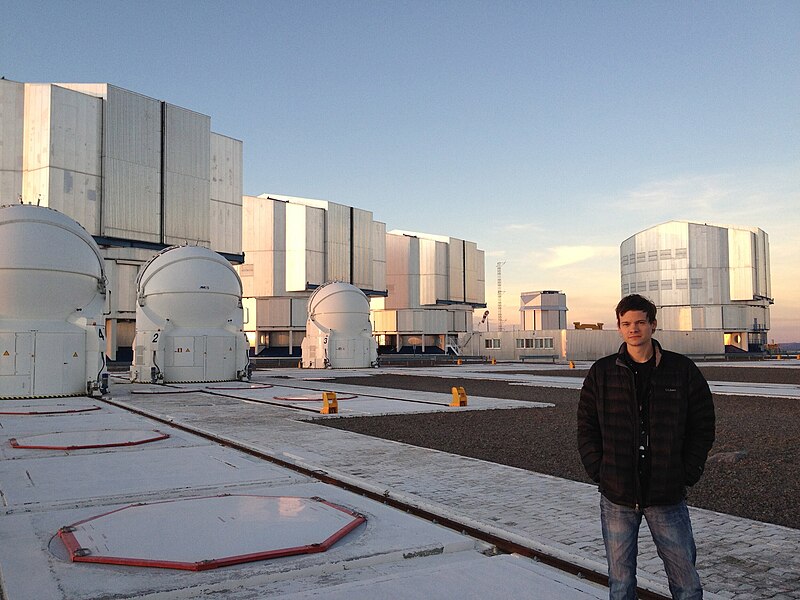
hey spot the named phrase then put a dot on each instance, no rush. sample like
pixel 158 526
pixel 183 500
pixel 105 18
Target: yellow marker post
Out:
pixel 459 397
pixel 329 404
pixel 458 362
pixel 494 361
pixel 571 365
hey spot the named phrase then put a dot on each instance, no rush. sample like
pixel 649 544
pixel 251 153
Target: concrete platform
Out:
pixel 393 554
pixel 737 558
pixel 396 556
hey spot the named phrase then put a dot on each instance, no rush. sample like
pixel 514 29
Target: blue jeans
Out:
pixel 672 534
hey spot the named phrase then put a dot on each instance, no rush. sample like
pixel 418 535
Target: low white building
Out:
pixel 563 345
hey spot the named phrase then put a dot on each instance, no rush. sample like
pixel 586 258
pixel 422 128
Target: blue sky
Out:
pixel 547 132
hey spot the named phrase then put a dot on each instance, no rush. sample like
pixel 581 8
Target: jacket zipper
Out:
pixel 636 482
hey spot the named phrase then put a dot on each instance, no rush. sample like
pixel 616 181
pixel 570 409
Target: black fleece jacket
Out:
pixel 681 428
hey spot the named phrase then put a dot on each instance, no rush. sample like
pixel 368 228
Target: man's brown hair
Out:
pixel 636 302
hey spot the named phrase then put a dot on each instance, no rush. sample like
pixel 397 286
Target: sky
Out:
pixel 547 132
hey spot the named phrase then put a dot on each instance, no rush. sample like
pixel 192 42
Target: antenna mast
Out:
pixel 500 295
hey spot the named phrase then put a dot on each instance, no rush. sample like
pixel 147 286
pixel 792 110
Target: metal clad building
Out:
pixel 137 173
pixel 294 245
pixel 434 282
pixel 543 310
pixel 703 278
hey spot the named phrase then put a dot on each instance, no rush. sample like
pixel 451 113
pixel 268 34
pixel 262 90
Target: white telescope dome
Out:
pixel 192 286
pixel 49 265
pixel 340 307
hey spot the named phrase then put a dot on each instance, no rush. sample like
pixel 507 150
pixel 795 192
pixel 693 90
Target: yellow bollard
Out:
pixel 329 404
pixel 494 361
pixel 779 357
pixel 459 397
pixel 571 365
pixel 458 362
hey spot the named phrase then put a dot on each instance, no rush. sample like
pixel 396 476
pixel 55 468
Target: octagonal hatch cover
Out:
pixel 76 440
pixel 197 534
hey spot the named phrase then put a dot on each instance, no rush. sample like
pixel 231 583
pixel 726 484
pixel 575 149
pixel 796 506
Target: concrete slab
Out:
pixel 476 579
pixel 557 515
pixel 102 476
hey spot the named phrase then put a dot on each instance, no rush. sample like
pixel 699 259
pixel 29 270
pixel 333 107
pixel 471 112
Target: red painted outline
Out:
pixel 312 399
pixel 252 386
pixel 50 412
pixel 73 547
pixel 15 444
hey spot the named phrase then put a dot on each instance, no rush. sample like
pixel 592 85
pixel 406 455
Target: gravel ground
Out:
pixel 753 469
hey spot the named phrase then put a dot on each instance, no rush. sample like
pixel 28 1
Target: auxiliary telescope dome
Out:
pixel 338 330
pixel 189 319
pixel 52 303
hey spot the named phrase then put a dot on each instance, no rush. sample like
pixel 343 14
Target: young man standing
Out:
pixel 645 427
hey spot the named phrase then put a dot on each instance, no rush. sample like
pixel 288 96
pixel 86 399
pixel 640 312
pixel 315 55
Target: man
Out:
pixel 645 426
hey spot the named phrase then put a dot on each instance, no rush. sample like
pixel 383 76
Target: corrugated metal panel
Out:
pixel 76 122
pixel 187 165
pixel 384 321
pixel 305 247
pixel 435 321
pixel 299 312
pixel 125 288
pixel 37 127
pixel 474 276
pixel 763 282
pixel 264 245
pixel 12 131
pixel 378 256
pixel 225 227
pixel 76 195
pixel 741 257
pixel 36 185
pixel 10 186
pixel 455 275
pixel 433 271
pixel 226 194
pixel 296 236
pixel 362 249
pixel 708 260
pixel 405 321
pixel 131 166
pixel 461 321
pixel 274 313
pixel 402 271
pixel 337 242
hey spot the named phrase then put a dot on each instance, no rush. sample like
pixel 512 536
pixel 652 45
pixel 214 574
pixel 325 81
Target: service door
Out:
pixel 220 363
pixel 59 364
pixel 15 364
